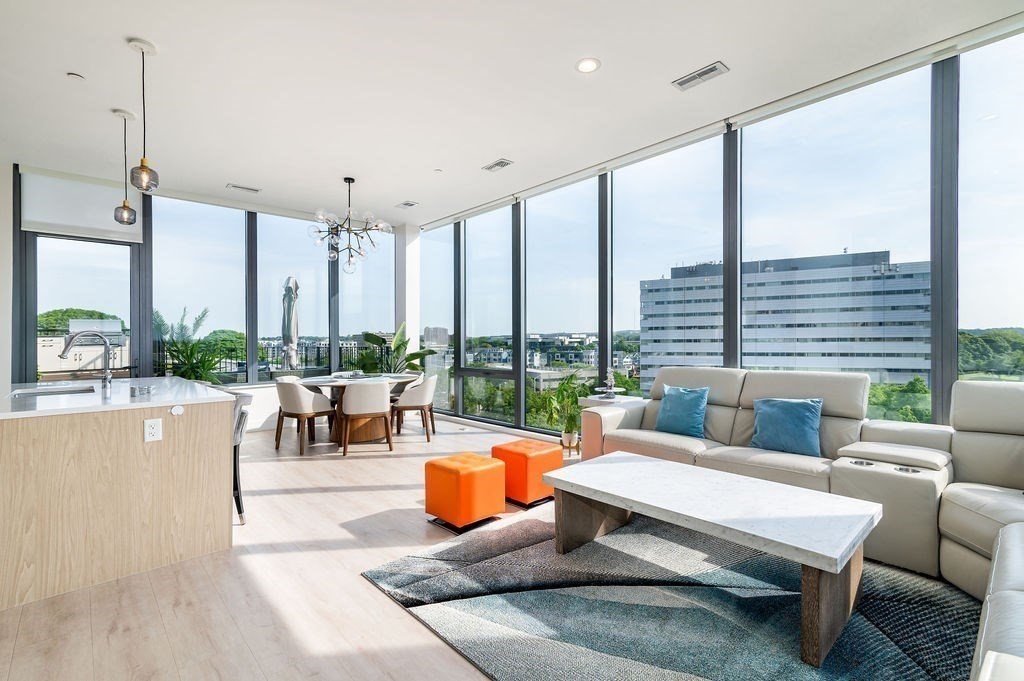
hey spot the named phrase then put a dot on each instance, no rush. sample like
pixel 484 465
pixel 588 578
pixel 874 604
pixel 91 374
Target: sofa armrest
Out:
pixel 927 435
pixel 900 455
pixel 596 422
pixel 998 666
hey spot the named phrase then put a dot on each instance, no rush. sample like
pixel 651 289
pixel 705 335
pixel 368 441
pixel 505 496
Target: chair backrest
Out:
pixel 366 398
pixel 844 398
pixel 294 397
pixel 988 436
pixel 419 395
pixel 399 388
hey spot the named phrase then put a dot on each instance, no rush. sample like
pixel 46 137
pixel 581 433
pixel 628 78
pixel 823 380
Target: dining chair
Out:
pixel 401 386
pixel 419 398
pixel 369 400
pixel 303 405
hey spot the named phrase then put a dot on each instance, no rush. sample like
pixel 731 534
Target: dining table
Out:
pixel 362 430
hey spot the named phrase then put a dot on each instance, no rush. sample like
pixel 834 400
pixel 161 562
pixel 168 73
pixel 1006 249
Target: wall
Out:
pixel 6 268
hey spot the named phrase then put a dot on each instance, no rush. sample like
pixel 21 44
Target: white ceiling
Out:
pixel 292 96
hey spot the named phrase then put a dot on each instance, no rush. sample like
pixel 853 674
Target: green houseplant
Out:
pixel 189 358
pixel 390 358
pixel 562 407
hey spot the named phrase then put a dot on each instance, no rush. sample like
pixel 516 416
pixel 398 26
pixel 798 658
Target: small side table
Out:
pixel 598 401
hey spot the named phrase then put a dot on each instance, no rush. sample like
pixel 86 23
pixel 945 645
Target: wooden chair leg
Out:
pixel 302 435
pixel 346 425
pixel 387 429
pixel 298 426
pixel 398 420
pixel 280 424
pixel 426 423
pixel 311 427
pixel 433 424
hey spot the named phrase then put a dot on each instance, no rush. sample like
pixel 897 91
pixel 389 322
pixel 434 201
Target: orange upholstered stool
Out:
pixel 525 462
pixel 465 488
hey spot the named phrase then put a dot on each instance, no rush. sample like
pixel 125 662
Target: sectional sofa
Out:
pixel 947 491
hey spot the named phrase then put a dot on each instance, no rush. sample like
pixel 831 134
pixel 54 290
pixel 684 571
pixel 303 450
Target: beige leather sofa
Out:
pixel 999 653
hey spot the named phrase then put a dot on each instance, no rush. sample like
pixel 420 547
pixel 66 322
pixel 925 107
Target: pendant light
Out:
pixel 144 177
pixel 125 214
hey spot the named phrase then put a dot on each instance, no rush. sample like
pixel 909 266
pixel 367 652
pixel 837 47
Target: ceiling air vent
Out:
pixel 700 76
pixel 407 204
pixel 498 165
pixel 250 190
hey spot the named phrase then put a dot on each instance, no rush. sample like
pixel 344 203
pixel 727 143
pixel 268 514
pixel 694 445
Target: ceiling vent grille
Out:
pixel 407 204
pixel 251 190
pixel 498 165
pixel 700 76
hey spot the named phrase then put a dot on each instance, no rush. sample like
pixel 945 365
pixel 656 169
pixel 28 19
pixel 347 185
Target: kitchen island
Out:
pixel 84 498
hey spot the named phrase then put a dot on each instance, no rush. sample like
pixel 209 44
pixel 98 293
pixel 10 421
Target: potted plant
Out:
pixel 390 358
pixel 562 407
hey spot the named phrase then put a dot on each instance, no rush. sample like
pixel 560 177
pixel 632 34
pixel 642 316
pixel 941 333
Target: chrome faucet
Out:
pixel 107 376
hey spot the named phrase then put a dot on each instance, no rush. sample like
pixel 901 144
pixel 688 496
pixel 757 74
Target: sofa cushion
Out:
pixel 657 444
pixel 843 394
pixel 972 514
pixel 988 407
pixel 1000 630
pixel 724 384
pixel 1008 560
pixel 835 432
pixel 718 420
pixel 792 469
pixel 787 425
pixel 682 411
pixel 901 455
pixel 989 458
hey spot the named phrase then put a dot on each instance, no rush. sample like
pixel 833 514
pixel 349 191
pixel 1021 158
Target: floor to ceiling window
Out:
pixel 836 241
pixel 199 290
pixel 991 205
pixel 561 293
pixel 82 285
pixel 367 299
pixel 488 302
pixel 437 309
pixel 292 292
pixel 667 263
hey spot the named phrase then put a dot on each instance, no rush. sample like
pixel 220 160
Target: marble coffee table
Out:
pixel 823 532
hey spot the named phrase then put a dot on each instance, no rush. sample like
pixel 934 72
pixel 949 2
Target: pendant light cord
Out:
pixel 143 103
pixel 125 147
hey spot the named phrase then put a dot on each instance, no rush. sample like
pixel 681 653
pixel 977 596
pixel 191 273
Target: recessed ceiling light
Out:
pixel 74 76
pixel 588 64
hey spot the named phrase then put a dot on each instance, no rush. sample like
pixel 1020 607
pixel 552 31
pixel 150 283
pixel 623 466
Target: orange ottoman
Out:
pixel 525 462
pixel 464 488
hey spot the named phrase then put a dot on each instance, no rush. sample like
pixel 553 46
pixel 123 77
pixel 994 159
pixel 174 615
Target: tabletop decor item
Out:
pixel 348 234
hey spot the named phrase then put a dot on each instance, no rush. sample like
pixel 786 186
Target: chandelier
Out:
pixel 348 235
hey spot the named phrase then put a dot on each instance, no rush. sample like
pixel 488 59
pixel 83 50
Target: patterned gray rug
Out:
pixel 654 601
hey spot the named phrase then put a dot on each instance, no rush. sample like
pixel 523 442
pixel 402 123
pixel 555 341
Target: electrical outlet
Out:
pixel 153 430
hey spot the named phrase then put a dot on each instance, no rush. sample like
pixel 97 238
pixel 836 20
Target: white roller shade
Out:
pixel 69 206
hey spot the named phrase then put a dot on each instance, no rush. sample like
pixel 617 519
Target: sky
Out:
pixel 849 172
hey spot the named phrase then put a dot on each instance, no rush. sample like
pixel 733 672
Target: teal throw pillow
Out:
pixel 788 425
pixel 682 411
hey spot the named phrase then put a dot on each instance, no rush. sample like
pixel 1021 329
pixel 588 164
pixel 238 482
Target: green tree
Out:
pixel 227 343
pixel 58 320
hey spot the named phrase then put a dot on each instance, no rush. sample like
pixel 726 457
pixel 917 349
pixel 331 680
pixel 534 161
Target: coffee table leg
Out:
pixel 827 601
pixel 579 520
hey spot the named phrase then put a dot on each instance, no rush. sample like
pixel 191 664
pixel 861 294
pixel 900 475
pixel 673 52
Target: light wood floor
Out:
pixel 287 602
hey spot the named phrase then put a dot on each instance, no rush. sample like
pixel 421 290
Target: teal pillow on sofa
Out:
pixel 788 425
pixel 682 411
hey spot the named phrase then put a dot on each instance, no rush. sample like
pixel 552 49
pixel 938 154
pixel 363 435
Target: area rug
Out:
pixel 655 601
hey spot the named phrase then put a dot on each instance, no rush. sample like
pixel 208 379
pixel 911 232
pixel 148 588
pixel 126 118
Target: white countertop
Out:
pixel 166 391
pixel 812 528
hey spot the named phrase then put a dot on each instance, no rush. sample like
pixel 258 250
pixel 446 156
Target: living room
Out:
pixel 692 333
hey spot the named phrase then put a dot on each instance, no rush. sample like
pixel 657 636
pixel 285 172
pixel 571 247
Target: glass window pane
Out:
pixel 667 263
pixel 437 311
pixel 82 285
pixel 561 292
pixel 367 298
pixel 836 241
pixel 292 294
pixel 199 288
pixel 991 204
pixel 488 292
pixel 489 398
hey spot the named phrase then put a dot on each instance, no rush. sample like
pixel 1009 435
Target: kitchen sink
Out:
pixel 62 389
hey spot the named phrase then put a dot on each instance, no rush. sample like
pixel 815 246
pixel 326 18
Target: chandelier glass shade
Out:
pixel 348 237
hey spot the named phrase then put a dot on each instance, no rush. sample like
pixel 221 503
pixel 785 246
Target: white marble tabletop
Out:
pixel 812 528
pixel 23 401
pixel 601 401
pixel 341 380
